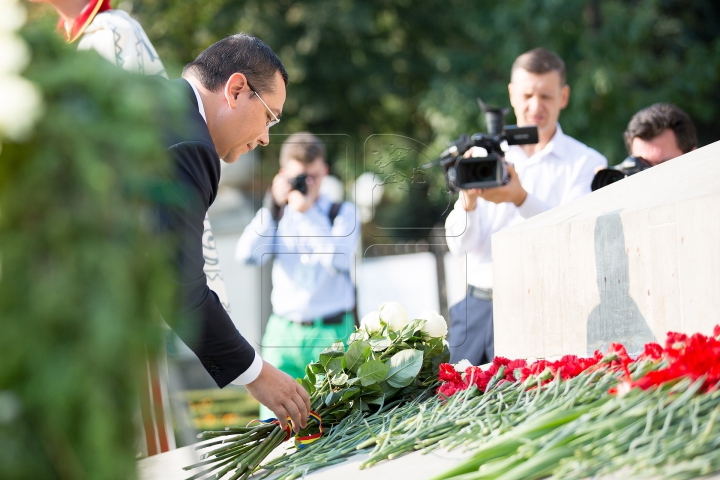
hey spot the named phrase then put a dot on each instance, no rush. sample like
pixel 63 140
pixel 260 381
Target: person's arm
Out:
pixel 255 244
pixel 344 235
pixel 464 229
pixel 205 326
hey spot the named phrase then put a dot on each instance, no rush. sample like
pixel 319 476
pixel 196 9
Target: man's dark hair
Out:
pixel 303 147
pixel 650 122
pixel 240 53
pixel 539 61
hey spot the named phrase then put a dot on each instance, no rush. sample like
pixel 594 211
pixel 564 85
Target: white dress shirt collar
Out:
pixel 556 147
pixel 201 108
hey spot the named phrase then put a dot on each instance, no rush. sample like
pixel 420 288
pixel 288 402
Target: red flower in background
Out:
pixel 449 374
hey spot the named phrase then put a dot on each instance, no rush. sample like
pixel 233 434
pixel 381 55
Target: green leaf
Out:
pixel 349 393
pixel 380 343
pixel 309 387
pixel 372 372
pixel 411 328
pixel 334 366
pixel 358 335
pixel 387 389
pixel 337 349
pixel 310 374
pixel 357 354
pixel 317 368
pixel 332 397
pixel 404 367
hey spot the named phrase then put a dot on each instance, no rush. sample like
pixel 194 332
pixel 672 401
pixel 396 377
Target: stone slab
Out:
pixel 168 466
pixel 626 263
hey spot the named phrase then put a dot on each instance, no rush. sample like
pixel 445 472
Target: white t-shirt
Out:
pixel 559 173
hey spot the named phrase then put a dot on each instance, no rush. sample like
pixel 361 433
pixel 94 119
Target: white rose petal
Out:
pixel 394 315
pixel 462 365
pixel 371 322
pixel 12 15
pixel 21 107
pixel 15 56
pixel 435 324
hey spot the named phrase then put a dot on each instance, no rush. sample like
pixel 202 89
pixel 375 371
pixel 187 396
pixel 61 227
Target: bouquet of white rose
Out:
pixel 388 360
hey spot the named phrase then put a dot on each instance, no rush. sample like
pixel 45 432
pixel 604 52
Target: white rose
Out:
pixel 21 106
pixel 371 322
pixel 394 315
pixel 16 54
pixel 435 324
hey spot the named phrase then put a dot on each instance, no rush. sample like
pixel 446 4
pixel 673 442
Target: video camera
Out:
pixel 630 166
pixel 488 170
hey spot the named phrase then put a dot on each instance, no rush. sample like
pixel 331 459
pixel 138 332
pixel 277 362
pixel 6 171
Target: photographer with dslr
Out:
pixel 312 241
pixel 654 135
pixel 541 176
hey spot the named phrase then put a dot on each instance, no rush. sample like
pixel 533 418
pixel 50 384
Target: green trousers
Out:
pixel 290 347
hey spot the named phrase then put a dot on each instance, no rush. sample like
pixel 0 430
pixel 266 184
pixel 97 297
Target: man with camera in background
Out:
pixel 655 134
pixel 554 171
pixel 660 133
pixel 312 241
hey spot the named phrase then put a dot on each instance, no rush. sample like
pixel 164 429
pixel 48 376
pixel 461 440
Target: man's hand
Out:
pixel 302 203
pixel 281 394
pixel 511 192
pixel 280 189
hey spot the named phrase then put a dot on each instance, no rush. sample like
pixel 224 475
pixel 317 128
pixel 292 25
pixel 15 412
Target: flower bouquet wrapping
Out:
pixel 388 360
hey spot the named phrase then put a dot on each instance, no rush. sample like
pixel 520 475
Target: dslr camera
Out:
pixel 490 169
pixel 630 166
pixel 299 183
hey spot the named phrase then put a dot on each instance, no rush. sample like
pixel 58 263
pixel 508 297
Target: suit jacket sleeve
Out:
pixel 205 326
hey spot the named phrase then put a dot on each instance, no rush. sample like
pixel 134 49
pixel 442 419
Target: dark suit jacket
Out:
pixel 212 335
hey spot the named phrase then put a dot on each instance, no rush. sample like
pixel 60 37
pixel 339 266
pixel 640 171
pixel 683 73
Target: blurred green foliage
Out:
pixel 83 269
pixel 415 68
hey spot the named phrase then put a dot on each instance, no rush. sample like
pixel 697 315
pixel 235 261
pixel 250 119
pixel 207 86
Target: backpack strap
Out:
pixel 333 213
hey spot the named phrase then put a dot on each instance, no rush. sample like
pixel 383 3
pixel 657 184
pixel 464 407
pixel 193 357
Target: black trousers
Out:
pixel 471 331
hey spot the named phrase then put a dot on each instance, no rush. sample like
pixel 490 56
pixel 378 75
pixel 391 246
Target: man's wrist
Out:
pixel 252 372
pixel 469 203
pixel 521 197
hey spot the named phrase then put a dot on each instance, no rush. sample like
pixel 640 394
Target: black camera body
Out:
pixel 490 169
pixel 630 166
pixel 299 183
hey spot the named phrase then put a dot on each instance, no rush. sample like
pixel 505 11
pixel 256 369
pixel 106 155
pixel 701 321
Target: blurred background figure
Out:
pixel 311 241
pixel 554 171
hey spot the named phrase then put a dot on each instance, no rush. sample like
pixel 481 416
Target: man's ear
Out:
pixel 236 84
pixel 564 96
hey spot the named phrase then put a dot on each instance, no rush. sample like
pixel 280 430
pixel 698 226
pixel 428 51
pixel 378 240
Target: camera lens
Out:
pixel 483 171
pixel 605 177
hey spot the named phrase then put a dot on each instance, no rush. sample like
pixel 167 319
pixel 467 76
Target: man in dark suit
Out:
pixel 234 91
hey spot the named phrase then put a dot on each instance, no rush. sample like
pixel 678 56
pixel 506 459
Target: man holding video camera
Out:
pixel 312 241
pixel 554 171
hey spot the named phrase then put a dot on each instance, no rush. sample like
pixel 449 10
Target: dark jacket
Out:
pixel 208 329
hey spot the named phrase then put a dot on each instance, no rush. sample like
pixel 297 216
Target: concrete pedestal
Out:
pixel 624 264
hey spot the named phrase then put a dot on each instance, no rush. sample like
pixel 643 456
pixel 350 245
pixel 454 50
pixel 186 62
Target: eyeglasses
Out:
pixel 275 119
